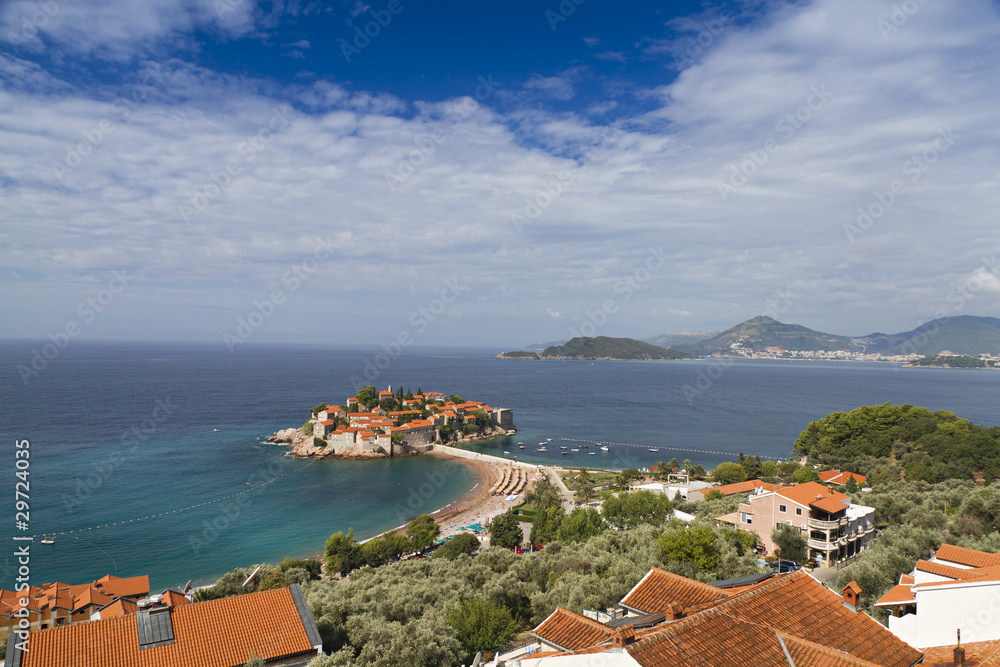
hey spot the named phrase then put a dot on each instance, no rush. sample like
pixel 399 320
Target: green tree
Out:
pixel 729 472
pixel 342 553
pixel 367 396
pixel 790 543
pixel 629 510
pixel 505 531
pixel 481 625
pixel 545 526
pixel 254 662
pixel 805 474
pixel 698 471
pixel 580 525
pixel 690 544
pixel 543 494
pixel 463 543
pixel 851 486
pixel 422 532
pixel 714 494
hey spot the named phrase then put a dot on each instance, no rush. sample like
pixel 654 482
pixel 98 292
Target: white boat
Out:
pixel 563 447
pixel 574 450
pixel 564 453
pixel 592 453
pixel 506 452
pixel 604 448
pixel 521 446
pixel 542 449
pixel 48 540
pixel 654 449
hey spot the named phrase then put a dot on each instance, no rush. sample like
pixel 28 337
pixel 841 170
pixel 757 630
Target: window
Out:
pixel 782 508
pixel 798 511
pixel 746 517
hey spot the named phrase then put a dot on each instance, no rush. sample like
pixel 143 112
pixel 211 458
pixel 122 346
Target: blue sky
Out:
pixel 494 173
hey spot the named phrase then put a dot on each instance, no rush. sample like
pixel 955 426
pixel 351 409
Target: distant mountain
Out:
pixel 601 347
pixel 763 332
pixel 963 334
pixel 686 338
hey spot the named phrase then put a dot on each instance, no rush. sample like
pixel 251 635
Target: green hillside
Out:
pixel 764 332
pixel 601 347
pixel 965 334
pixel 673 340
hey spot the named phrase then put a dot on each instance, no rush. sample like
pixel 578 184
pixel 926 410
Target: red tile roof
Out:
pixel 744 487
pixel 118 587
pixel 967 557
pixel 977 654
pixel 571 632
pixel 218 633
pixel 743 630
pixel 942 570
pixel 839 478
pixel 810 492
pixel 829 504
pixel 659 589
pixel 899 594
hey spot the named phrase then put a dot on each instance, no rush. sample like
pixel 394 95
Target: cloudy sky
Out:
pixel 494 173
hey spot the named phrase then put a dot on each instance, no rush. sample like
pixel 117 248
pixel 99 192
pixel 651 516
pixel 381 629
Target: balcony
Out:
pixel 821 545
pixel 819 524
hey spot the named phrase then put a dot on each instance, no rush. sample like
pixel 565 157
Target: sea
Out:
pixel 150 458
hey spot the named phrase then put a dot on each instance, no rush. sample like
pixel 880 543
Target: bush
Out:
pixel 463 543
pixel 318 442
pixel 307 428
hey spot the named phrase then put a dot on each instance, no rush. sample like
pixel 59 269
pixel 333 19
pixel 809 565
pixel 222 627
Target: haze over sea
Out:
pixel 88 468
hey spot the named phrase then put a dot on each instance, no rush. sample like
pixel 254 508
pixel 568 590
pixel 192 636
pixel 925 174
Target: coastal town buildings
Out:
pixel 56 604
pixel 787 619
pixel 273 625
pixel 834 528
pixel 956 591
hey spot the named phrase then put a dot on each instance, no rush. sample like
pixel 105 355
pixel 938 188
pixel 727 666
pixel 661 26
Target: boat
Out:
pixel 583 446
pixel 542 449
pixel 604 448
pixel 563 447
pixel 592 453
pixel 575 449
pixel 520 443
pixel 215 430
pixel 506 452
pixel 48 540
pixel 564 453
pixel 521 446
pixel 654 449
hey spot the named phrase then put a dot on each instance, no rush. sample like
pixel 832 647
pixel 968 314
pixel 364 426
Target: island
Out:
pixel 382 424
pixel 955 361
pixel 601 348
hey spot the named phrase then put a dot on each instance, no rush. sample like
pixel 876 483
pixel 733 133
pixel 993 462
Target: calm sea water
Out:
pixel 121 431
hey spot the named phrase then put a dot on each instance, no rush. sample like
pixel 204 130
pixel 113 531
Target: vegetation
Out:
pixel 629 510
pixel 505 531
pixel 729 472
pixel 601 347
pixel 307 428
pixel 422 532
pixel 481 625
pixel 462 544
pixel 950 361
pixel 763 332
pixel 790 543
pixel 889 442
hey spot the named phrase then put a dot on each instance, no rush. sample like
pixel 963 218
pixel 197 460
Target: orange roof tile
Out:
pixel 218 633
pixel 829 504
pixel 807 493
pixel 118 608
pixel 967 557
pixel 897 595
pixel 571 632
pixel 118 587
pixel 839 478
pixel 942 570
pixel 659 589
pixel 977 654
pixel 744 487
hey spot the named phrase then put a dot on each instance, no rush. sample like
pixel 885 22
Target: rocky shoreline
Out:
pixel 303 446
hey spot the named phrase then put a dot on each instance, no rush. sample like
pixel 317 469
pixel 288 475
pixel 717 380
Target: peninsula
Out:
pixel 377 424
pixel 600 348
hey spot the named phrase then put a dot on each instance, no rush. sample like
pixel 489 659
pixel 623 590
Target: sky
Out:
pixel 398 172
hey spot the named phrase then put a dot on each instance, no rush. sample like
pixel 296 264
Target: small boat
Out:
pixel 583 446
pixel 574 449
pixel 654 449
pixel 521 446
pixel 604 448
pixel 506 452
pixel 542 442
pixel 563 447
pixel 564 453
pixel 48 540
pixel 215 430
pixel 520 443
pixel 542 449
pixel 592 453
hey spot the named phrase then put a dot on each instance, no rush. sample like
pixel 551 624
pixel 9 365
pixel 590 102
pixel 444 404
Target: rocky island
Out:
pixel 600 348
pixel 377 424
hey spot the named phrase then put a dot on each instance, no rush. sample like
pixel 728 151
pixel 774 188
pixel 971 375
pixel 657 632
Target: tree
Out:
pixel 673 465
pixel 851 486
pixel 714 494
pixel 543 495
pixel 463 543
pixel 690 544
pixel 367 396
pixel 505 531
pixel 580 525
pixel 629 510
pixel 481 626
pixel 752 466
pixel 342 553
pixel 790 543
pixel 545 527
pixel 805 474
pixel 698 471
pixel 729 472
pixel 254 662
pixel 422 532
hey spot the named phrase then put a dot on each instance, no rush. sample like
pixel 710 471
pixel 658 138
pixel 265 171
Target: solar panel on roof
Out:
pixel 155 627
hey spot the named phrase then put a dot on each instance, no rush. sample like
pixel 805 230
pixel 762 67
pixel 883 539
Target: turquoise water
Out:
pixel 90 468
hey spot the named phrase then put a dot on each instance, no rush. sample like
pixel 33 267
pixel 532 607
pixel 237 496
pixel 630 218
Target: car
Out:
pixel 782 565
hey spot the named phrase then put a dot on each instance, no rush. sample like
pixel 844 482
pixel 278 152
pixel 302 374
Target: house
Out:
pixel 956 590
pixel 322 428
pixel 838 478
pixel 749 486
pixel 834 528
pixel 56 604
pixel 788 619
pixel 274 625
